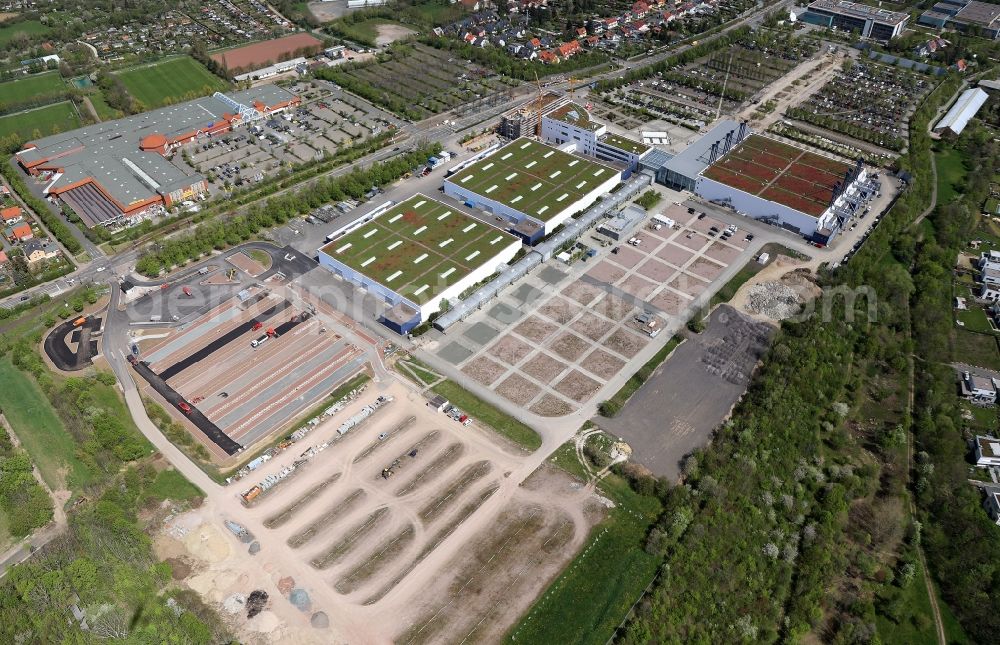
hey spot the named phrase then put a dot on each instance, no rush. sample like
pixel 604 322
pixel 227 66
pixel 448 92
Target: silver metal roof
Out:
pixel 693 160
pixel 963 110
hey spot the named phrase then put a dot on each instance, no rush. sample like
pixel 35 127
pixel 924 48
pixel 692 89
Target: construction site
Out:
pixel 380 530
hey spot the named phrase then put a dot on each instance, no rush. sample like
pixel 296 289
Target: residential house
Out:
pixel 992 505
pixel 11 215
pixel 989 276
pixel 640 9
pixel 987 451
pixel 568 49
pixel 979 389
pixel 18 232
pixel 581 32
pixel 549 56
pixel 3 257
pixel 38 250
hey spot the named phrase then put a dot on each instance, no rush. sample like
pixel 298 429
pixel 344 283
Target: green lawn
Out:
pixel 40 122
pixel 975 349
pixel 170 81
pixel 104 111
pixel 29 27
pixel 565 458
pixel 917 627
pixel 589 600
pixel 950 173
pixel 170 484
pixel 6 539
pixel 975 320
pixel 483 412
pixel 24 89
pixel 40 431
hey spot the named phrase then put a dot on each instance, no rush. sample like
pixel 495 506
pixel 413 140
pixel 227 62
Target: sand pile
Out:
pixel 207 543
pixel 286 584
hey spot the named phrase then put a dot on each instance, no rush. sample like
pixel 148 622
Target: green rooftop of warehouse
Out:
pixel 574 114
pixel 419 247
pixel 533 178
pixel 624 143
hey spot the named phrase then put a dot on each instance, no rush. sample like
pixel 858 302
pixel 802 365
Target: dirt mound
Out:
pixel 207 543
pixel 256 602
pixel 286 584
pixel 179 568
pixel 774 300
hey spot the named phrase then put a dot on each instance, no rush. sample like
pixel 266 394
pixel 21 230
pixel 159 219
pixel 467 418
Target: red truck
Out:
pixel 185 408
pixel 187 292
pixel 257 325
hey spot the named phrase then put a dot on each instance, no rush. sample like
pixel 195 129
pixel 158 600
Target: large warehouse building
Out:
pixel 415 254
pixel 784 185
pixel 115 170
pixel 867 21
pixel 980 18
pixel 534 187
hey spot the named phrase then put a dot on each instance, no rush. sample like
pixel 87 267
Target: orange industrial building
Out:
pixel 121 169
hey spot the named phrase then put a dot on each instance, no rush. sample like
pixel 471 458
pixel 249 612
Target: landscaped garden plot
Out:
pixel 869 102
pixel 805 182
pixel 416 81
pixel 170 81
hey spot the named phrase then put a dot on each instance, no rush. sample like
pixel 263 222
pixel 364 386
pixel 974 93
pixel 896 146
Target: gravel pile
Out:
pixel 320 620
pixel 775 300
pixel 235 603
pixel 300 599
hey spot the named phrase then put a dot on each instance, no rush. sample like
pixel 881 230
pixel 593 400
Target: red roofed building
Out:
pixel 548 56
pixel 11 215
pixel 568 49
pixel 640 9
pixel 19 232
pixel 3 258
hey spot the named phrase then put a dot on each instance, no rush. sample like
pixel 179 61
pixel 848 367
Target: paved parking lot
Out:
pixel 550 343
pixel 680 406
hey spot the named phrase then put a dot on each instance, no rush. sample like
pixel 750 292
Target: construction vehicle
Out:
pixel 272 332
pixel 79 321
pixel 257 325
pixel 257 342
pixel 132 359
pixel 187 292
pixel 251 494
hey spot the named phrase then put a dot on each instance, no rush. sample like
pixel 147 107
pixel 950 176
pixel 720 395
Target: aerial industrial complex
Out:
pixel 120 169
pixel 572 124
pixel 867 21
pixel 533 186
pixel 415 254
pixel 783 184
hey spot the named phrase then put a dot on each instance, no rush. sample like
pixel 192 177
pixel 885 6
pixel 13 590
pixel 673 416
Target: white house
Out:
pixel 987 451
pixel 992 505
pixel 979 389
pixel 989 277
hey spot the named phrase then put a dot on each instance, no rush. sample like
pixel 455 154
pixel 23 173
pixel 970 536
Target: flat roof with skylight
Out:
pixel 533 178
pixel 419 249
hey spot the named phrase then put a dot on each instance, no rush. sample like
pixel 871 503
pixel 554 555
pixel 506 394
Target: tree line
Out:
pixel 220 233
pixel 24 503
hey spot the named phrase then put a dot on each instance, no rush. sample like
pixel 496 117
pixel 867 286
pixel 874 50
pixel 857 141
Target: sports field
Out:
pixel 44 119
pixel 780 173
pixel 170 81
pixel 533 178
pixel 29 27
pixel 37 85
pixel 419 248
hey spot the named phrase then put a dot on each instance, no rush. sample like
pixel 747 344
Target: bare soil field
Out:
pixel 408 528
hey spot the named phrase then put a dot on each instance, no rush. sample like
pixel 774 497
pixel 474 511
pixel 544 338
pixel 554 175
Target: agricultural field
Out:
pixel 417 81
pixel 170 81
pixel 34 87
pixel 58 117
pixel 869 102
pixel 29 27
pixel 780 173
